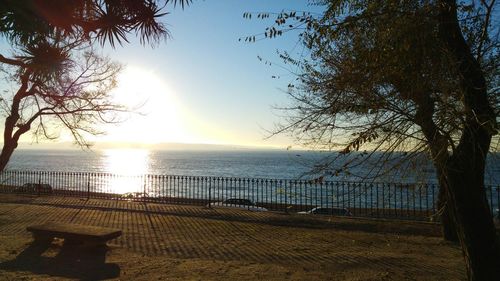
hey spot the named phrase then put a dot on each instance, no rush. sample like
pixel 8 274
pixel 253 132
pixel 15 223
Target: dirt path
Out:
pixel 169 242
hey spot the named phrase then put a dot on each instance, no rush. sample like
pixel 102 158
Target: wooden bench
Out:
pixel 74 234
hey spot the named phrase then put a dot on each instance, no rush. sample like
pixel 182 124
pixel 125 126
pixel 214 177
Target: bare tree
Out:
pixel 75 95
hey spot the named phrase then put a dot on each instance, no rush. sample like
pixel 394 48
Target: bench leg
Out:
pixel 72 242
pixel 42 238
pixel 84 243
pixel 96 244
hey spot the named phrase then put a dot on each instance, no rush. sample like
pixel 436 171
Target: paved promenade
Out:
pixel 187 242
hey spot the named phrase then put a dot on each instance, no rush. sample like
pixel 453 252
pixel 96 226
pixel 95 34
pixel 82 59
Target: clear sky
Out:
pixel 203 85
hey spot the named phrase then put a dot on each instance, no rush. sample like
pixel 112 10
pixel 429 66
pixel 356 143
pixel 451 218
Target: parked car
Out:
pixel 39 188
pixel 237 203
pixel 134 196
pixel 327 211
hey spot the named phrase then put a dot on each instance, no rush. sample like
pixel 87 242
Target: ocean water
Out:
pixel 272 164
pixel 250 164
pixel 412 186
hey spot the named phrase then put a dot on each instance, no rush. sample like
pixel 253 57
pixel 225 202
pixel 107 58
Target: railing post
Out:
pixel 144 180
pixel 490 189
pixel 39 184
pixel 498 199
pixel 209 193
pixel 286 197
pixel 434 199
pixel 88 189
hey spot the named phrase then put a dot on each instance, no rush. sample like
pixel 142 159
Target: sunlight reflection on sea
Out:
pixel 128 166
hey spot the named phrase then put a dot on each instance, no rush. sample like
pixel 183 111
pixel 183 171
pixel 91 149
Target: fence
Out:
pixel 389 200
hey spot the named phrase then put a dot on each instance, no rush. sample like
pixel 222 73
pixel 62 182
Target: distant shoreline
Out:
pixel 158 146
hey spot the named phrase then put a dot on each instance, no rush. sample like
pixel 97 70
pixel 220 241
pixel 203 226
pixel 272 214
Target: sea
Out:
pixel 300 178
pixel 262 164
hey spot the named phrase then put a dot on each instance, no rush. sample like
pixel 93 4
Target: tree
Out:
pixel 86 20
pixel 75 95
pixel 411 76
pixel 61 81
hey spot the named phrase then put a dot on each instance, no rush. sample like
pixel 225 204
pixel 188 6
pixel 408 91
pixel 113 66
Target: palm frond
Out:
pixel 45 60
pixel 182 3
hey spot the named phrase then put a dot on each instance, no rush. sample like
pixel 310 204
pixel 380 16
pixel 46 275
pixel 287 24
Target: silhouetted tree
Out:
pixel 73 94
pixel 413 76
pixel 60 80
pixel 86 20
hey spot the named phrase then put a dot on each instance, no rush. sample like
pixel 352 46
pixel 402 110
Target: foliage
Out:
pixel 102 20
pixel 376 70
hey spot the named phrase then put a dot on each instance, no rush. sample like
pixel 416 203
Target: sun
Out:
pixel 135 86
pixel 155 114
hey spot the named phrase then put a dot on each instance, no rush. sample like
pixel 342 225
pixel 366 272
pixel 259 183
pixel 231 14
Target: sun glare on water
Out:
pixel 126 167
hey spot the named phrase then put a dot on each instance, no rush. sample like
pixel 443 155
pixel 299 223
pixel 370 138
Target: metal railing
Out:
pixel 415 201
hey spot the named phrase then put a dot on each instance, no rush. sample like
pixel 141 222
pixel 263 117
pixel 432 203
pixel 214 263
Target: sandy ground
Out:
pixel 174 242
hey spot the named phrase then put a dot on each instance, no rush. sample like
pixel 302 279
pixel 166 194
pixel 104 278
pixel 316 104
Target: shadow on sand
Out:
pixel 71 261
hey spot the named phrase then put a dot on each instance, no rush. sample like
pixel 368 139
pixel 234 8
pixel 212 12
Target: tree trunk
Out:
pixel 470 210
pixel 438 145
pixel 7 150
pixel 449 228
pixel 10 136
pixel 464 170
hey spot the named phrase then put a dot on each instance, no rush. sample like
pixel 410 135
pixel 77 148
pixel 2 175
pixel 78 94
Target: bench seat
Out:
pixel 73 233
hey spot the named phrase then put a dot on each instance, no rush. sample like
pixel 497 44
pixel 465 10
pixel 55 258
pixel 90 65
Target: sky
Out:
pixel 203 85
